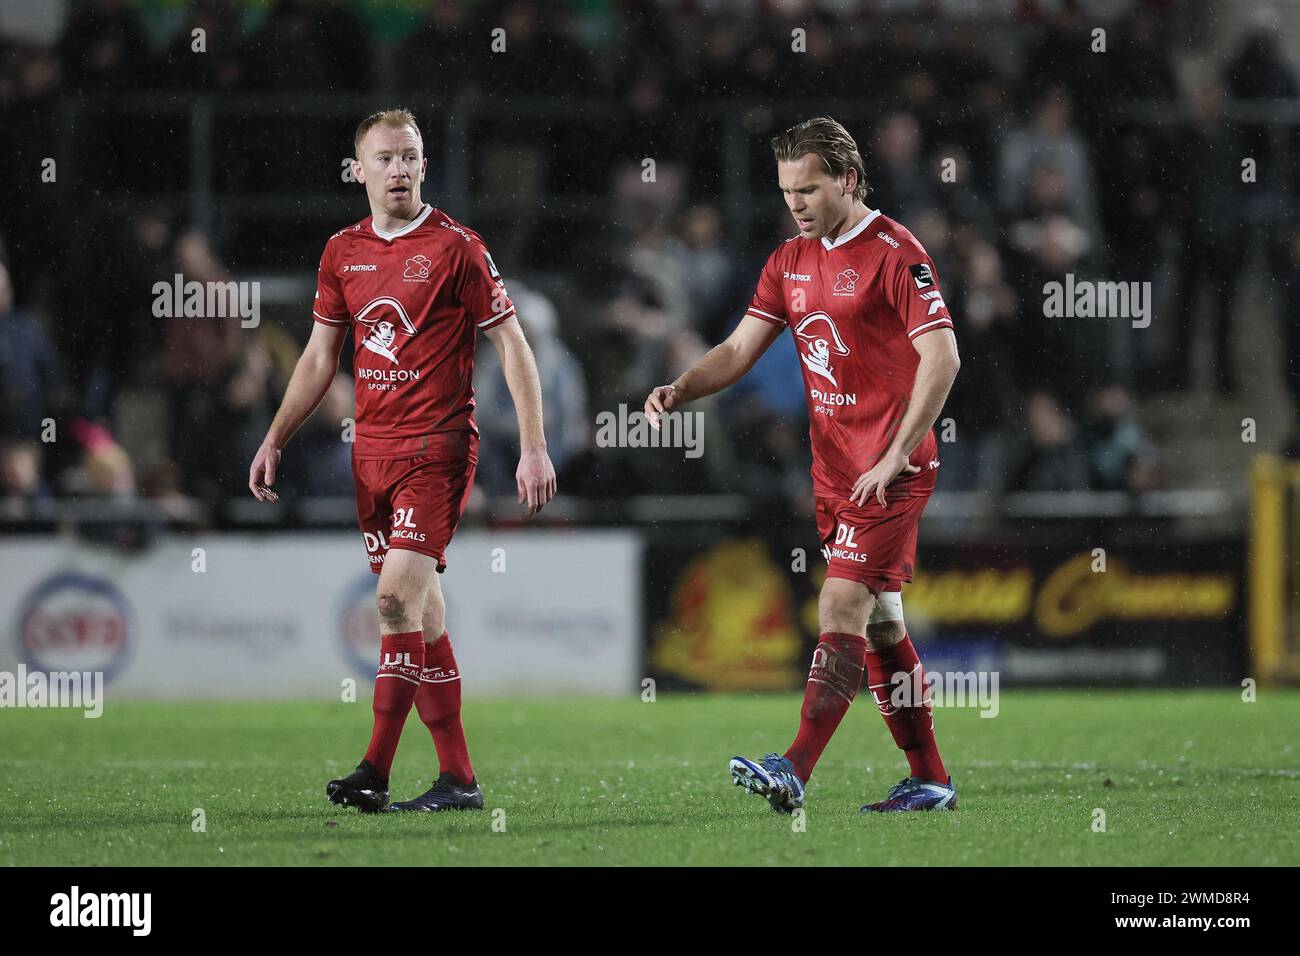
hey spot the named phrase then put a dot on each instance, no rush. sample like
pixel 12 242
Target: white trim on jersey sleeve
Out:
pixel 497 319
pixel 768 316
pixel 929 326
pixel 328 321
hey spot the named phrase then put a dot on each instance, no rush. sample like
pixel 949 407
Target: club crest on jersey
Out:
pixel 418 267
pixel 386 318
pixel 921 275
pixel 819 340
pixel 846 282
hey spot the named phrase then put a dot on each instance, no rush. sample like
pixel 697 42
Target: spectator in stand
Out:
pixel 1120 455
pixel 32 383
pixel 959 193
pixel 224 65
pixel 1290 319
pixel 1055 353
pixel 1049 195
pixel 1261 75
pixel 1260 71
pixel 1063 58
pixel 251 392
pixel 767 421
pixel 323 464
pixel 21 479
pixel 1210 204
pixel 903 182
pixel 104 468
pixel 568 422
pixel 984 395
pixel 449 35
pixel 193 363
pixel 104 47
pixel 1051 456
pixel 1048 138
pixel 115 344
pixel 703 269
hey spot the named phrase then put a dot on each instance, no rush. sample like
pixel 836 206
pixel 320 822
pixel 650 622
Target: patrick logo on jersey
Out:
pixel 389 328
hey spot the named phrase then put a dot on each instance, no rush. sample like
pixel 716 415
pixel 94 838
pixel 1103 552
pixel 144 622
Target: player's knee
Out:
pixel 392 609
pixel 844 605
pixel 842 613
pixel 883 634
pixel 885 626
pixel 431 622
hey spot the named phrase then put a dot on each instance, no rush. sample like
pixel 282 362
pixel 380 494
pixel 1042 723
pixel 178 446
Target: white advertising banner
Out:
pixel 293 614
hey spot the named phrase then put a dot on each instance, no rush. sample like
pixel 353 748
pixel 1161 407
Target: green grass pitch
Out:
pixel 1184 777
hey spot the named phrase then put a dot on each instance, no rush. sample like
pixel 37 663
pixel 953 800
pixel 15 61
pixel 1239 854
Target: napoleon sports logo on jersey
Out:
pixel 846 283
pixel 390 328
pixel 819 340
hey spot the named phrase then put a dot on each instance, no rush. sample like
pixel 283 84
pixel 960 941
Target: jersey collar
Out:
pixel 852 233
pixel 413 224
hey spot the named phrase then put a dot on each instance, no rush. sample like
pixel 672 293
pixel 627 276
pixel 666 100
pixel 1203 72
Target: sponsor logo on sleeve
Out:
pixel 921 275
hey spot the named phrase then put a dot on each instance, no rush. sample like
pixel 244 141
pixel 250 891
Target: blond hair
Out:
pixel 830 142
pixel 396 118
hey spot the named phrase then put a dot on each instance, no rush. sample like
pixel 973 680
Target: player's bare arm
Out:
pixel 934 377
pixel 535 476
pixel 310 381
pixel 721 367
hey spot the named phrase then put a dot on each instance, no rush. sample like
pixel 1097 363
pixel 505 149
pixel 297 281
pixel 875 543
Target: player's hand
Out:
pixel 882 473
pixel 536 480
pixel 261 476
pixel 662 399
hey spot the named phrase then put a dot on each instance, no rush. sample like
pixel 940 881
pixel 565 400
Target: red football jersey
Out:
pixel 854 305
pixel 414 298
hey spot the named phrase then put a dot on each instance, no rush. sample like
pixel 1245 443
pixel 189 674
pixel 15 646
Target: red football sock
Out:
pixel 833 680
pixel 438 701
pixel 912 724
pixel 400 661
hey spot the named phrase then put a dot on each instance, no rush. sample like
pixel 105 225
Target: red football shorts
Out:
pixel 872 545
pixel 412 503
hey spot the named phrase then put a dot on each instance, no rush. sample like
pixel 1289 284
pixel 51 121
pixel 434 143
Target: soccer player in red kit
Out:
pixel 412 286
pixel 878 356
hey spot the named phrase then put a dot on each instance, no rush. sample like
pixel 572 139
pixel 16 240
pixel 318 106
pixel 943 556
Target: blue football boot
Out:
pixel 774 778
pixel 447 793
pixel 913 793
